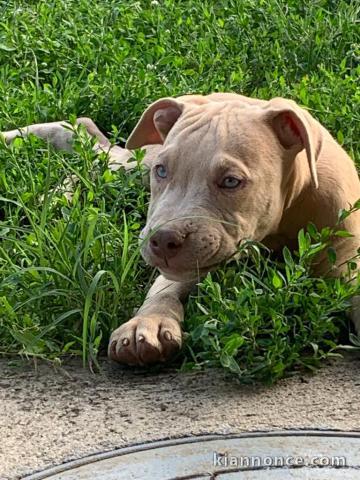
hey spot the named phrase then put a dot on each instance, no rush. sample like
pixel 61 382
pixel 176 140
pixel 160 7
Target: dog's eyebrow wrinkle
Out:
pixel 198 126
pixel 221 129
pixel 227 124
pixel 216 130
pixel 207 131
pixel 191 117
pixel 192 113
pixel 194 126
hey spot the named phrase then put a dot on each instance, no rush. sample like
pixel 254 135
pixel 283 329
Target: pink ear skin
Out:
pixel 288 130
pixel 164 119
pixel 293 130
pixel 155 123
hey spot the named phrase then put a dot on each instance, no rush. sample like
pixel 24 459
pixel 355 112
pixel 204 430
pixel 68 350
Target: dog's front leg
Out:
pixel 154 334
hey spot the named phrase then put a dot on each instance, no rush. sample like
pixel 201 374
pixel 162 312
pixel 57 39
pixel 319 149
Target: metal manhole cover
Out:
pixel 313 455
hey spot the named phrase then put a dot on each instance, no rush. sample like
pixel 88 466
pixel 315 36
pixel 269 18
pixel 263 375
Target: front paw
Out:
pixel 145 339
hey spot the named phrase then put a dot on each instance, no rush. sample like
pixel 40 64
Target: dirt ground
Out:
pixel 49 416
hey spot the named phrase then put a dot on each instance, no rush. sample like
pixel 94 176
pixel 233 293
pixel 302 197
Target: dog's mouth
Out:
pixel 182 273
pixel 185 266
pixel 195 273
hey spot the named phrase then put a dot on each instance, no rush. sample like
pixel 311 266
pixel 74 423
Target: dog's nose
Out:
pixel 166 243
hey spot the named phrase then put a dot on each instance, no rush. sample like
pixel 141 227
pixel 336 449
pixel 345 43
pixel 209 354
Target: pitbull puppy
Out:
pixel 229 168
pixel 224 168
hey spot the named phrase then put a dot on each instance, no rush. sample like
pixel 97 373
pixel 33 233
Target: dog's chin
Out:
pixel 183 275
pixel 176 271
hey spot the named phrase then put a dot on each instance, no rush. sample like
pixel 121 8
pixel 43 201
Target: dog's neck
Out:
pixel 298 193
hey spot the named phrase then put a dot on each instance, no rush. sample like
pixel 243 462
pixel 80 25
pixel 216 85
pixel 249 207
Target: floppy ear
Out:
pixel 296 129
pixel 155 123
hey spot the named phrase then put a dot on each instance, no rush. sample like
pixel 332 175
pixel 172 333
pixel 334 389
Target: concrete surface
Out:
pixel 50 416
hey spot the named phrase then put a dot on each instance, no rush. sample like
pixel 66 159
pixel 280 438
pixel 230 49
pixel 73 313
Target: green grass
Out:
pixel 70 273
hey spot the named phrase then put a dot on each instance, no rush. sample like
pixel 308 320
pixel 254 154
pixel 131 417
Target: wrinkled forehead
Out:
pixel 206 133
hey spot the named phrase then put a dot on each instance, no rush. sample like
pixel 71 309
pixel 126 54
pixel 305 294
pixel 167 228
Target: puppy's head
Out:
pixel 221 177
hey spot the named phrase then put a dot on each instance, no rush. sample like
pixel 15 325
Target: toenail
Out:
pixel 167 335
pixel 125 342
pixel 141 338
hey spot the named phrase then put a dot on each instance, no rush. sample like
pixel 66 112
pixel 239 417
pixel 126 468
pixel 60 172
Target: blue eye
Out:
pixel 230 182
pixel 161 171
